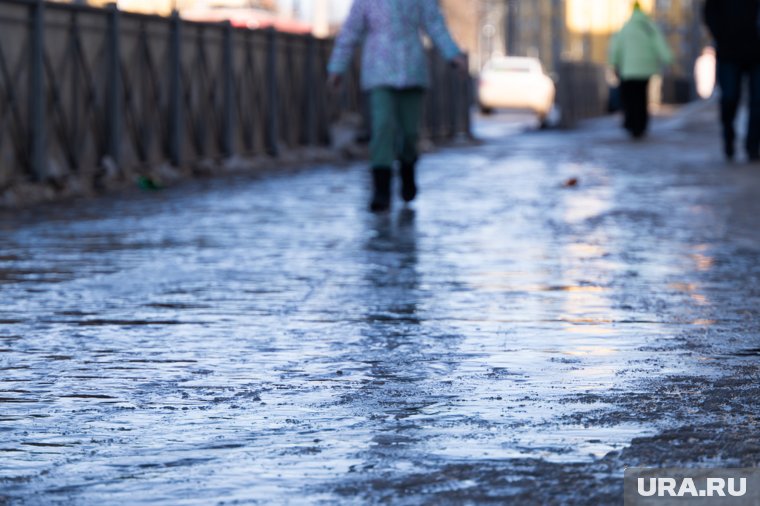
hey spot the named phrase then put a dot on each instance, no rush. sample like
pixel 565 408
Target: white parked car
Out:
pixel 513 82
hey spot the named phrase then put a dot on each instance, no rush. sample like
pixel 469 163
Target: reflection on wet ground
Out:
pixel 247 340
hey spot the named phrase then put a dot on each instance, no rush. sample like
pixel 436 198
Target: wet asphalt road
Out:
pixel 265 340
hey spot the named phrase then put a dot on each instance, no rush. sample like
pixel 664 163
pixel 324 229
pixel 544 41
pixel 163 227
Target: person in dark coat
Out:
pixel 734 24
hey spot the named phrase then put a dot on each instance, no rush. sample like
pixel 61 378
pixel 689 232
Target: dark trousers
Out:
pixel 396 113
pixel 731 77
pixel 635 100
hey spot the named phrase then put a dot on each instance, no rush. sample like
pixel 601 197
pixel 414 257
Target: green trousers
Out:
pixel 396 115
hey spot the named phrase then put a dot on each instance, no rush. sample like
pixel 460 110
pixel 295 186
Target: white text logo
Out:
pixel 670 487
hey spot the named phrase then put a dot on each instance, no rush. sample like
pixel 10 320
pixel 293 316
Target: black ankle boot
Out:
pixel 728 146
pixel 408 183
pixel 729 152
pixel 381 197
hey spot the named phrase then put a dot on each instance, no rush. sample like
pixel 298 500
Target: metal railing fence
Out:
pixel 80 86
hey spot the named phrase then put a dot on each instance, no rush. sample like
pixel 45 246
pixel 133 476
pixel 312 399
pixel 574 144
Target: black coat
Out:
pixel 735 26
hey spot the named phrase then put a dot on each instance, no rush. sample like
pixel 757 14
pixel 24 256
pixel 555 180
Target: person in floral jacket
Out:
pixel 395 72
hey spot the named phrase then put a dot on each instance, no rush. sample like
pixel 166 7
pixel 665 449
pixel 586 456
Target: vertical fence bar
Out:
pixel 454 99
pixel 206 97
pixel 435 113
pixel 469 99
pixel 558 31
pixel 311 76
pixel 113 96
pixel 75 87
pixel 273 109
pixel 286 98
pixel 512 26
pixel 144 128
pixel 228 83
pixel 174 148
pixel 323 98
pixel 37 129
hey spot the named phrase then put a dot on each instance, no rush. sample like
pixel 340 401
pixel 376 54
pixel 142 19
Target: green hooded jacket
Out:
pixel 639 50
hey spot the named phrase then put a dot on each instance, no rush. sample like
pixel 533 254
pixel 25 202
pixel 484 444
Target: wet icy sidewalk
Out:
pixel 266 340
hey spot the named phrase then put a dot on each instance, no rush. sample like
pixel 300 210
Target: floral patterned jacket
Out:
pixel 393 53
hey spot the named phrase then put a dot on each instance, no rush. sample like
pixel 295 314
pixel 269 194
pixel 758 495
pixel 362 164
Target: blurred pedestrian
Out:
pixel 395 72
pixel 734 26
pixel 637 52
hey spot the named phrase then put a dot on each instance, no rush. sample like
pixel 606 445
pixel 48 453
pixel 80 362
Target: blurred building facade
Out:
pixel 592 23
pixel 580 30
pixel 165 7
pixel 241 13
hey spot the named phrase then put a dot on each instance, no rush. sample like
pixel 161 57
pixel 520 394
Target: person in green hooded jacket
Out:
pixel 637 52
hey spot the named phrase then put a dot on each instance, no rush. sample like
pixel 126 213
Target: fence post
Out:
pixel 175 91
pixel 433 101
pixel 310 78
pixel 273 109
pixel 512 27
pixel 228 79
pixel 324 102
pixel 558 31
pixel 561 91
pixel 113 107
pixel 469 99
pixel 454 99
pixel 37 129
